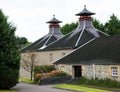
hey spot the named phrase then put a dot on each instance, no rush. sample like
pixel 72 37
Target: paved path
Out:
pixel 23 87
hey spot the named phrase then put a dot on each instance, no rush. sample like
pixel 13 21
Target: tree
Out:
pixel 9 54
pixel 68 27
pixel 113 25
pixel 98 25
pixel 28 63
pixel 22 41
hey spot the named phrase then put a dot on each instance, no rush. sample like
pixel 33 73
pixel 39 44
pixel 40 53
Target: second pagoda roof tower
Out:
pixel 53 35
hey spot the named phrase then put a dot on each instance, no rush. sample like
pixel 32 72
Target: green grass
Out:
pixel 26 80
pixel 7 91
pixel 79 88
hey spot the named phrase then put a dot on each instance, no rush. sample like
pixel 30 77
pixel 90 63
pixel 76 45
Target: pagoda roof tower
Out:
pixel 84 33
pixel 53 35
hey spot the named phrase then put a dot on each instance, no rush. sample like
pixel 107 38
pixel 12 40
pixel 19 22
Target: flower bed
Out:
pixel 55 76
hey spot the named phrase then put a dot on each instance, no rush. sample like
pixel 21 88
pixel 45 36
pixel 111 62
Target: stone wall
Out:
pixel 66 68
pixel 100 71
pixel 55 80
pixel 92 71
pixel 42 58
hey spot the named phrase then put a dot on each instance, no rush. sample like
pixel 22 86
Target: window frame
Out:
pixel 114 71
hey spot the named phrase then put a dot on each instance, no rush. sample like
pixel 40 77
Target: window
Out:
pixel 63 54
pixel 51 57
pixel 62 67
pixel 114 71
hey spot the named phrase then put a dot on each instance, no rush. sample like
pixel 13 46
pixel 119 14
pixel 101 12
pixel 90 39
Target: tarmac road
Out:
pixel 24 87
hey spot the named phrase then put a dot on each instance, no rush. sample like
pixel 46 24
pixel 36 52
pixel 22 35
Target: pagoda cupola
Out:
pixel 85 22
pixel 54 26
pixel 85 12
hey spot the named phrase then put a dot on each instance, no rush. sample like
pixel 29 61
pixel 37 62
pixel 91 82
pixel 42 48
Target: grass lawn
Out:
pixel 7 91
pixel 26 80
pixel 79 88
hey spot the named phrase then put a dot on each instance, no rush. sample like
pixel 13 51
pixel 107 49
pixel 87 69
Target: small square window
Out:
pixel 114 71
pixel 51 57
pixel 63 54
pixel 62 67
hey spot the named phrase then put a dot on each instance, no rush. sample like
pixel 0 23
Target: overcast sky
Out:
pixel 30 16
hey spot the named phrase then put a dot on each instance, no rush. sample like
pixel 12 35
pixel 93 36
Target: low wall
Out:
pixel 55 80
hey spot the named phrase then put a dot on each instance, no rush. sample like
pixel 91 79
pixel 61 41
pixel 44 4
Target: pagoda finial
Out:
pixel 84 6
pixel 53 15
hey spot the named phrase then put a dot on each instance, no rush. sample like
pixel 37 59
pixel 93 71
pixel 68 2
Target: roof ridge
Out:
pixel 80 34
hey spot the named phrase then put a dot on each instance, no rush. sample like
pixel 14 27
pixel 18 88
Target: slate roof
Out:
pixel 53 35
pixel 102 50
pixel 82 34
pixel 40 43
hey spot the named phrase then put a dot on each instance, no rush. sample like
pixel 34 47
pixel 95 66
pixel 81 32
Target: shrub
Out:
pixel 9 54
pixel 99 82
pixel 58 73
pixel 44 69
pixel 9 77
pixel 52 74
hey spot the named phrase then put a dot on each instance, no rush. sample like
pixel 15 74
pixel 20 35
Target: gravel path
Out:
pixel 23 87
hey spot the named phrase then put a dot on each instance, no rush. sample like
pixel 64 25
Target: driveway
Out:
pixel 23 87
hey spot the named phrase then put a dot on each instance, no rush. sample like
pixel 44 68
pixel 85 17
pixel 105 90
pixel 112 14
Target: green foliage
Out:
pixel 8 77
pixel 22 42
pixel 99 82
pixel 8 91
pixel 9 54
pixel 26 80
pixel 68 28
pixel 78 88
pixel 113 25
pixel 110 27
pixel 44 69
pixel 98 25
pixel 61 74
